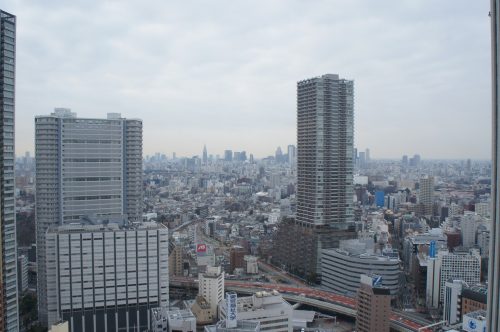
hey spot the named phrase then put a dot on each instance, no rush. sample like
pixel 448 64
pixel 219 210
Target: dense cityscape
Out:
pixel 321 236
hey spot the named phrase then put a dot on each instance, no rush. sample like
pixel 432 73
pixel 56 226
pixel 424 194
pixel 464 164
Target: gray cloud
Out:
pixel 224 72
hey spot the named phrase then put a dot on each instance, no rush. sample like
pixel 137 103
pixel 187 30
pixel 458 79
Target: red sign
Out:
pixel 201 247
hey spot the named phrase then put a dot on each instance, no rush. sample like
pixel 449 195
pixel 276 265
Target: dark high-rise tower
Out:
pixel 325 125
pixel 9 320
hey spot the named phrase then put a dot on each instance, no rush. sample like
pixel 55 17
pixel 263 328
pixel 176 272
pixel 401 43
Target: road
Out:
pixel 397 318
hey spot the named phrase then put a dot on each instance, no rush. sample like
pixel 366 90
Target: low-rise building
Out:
pixel 373 305
pixel 241 326
pixel 268 308
pixel 474 298
pixel 342 269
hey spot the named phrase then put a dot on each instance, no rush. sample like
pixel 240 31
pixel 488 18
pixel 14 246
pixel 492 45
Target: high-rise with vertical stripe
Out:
pixel 86 169
pixel 9 319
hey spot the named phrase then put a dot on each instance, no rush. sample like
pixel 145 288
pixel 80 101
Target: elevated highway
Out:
pixel 320 299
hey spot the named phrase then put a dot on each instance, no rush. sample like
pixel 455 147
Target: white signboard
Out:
pixel 232 311
pixel 471 324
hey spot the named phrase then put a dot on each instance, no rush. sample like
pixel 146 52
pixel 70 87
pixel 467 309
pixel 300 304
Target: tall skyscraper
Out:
pixel 493 322
pixel 325 134
pixel 325 125
pixel 85 169
pixel 9 320
pixel 426 194
pixel 205 155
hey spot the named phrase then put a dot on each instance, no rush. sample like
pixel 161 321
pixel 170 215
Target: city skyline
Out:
pixel 150 68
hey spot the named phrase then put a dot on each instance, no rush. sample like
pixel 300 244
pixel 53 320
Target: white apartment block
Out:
pixel 85 169
pixel 106 277
pixel 465 266
pixel 468 225
pixel 211 286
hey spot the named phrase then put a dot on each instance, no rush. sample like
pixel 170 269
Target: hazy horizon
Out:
pixel 224 73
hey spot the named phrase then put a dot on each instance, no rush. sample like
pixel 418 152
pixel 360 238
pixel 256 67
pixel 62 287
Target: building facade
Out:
pixel 325 134
pixel 85 169
pixel 325 189
pixel 465 266
pixel 9 320
pixel 343 269
pixel 211 286
pixel 474 298
pixel 452 301
pixel 373 305
pixel 426 194
pixel 106 277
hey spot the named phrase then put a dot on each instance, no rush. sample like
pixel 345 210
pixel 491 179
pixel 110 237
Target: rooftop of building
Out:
pixel 179 314
pixel 262 301
pixel 104 226
pixel 241 325
pixel 368 255
pixel 478 293
pixel 479 314
pixel 66 113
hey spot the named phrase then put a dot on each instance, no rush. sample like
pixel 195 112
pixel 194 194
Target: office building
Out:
pixel 211 286
pixel 268 308
pixel 373 305
pixel 468 225
pixel 106 277
pixel 426 194
pixel 343 268
pixel 85 169
pixel 452 301
pixel 465 266
pixel 474 298
pixel 9 320
pixel 228 155
pixel 236 258
pixel 325 125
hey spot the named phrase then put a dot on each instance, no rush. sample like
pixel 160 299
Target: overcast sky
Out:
pixel 224 73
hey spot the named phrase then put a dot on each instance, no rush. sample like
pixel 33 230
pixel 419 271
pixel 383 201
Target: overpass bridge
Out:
pixel 320 299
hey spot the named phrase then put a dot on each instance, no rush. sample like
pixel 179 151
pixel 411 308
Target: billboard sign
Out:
pixel 201 247
pixel 232 311
pixel 472 324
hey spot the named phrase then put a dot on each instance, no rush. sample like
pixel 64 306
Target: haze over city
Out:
pixel 224 73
